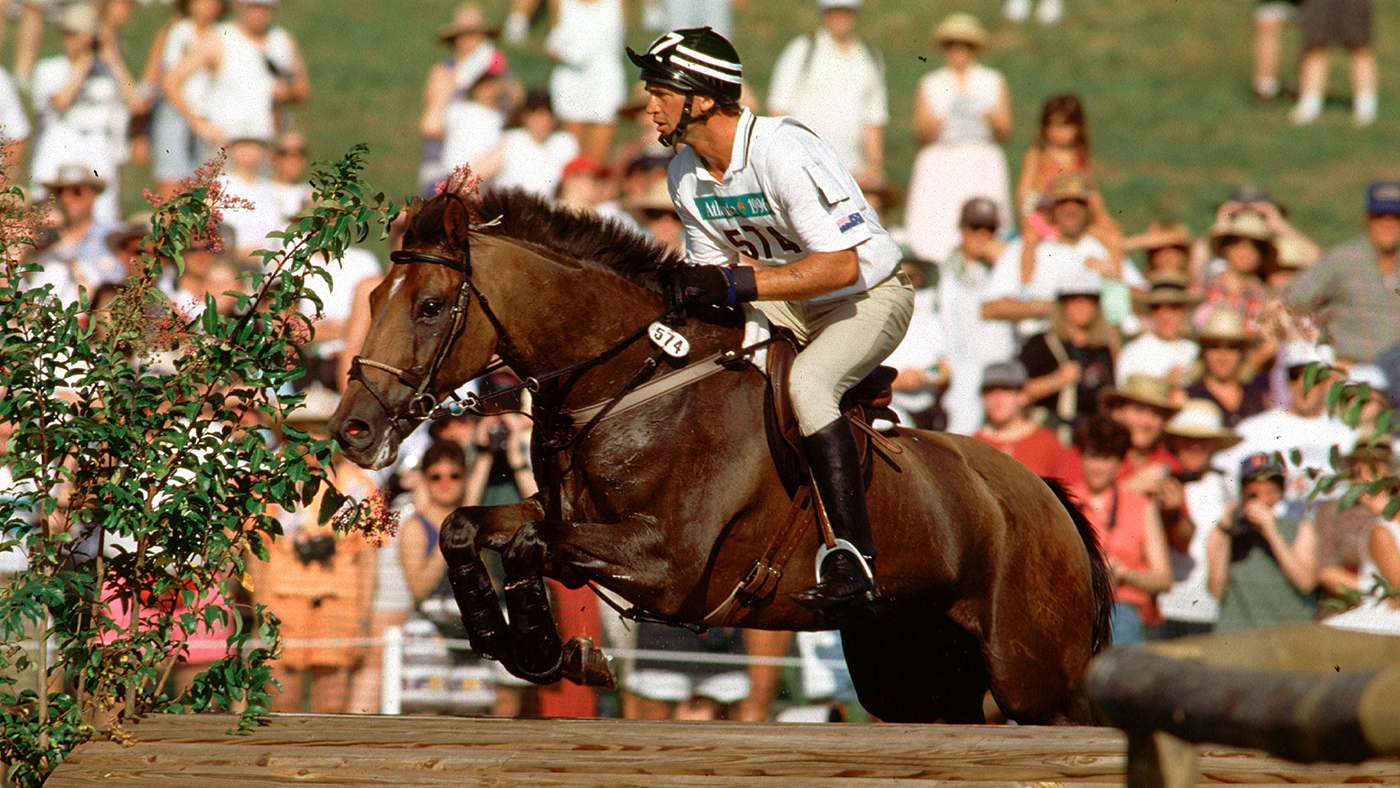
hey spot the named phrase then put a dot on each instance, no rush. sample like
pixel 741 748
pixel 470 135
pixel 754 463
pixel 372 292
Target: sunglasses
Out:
pixel 289 152
pixel 437 477
pixel 980 228
pixel 59 191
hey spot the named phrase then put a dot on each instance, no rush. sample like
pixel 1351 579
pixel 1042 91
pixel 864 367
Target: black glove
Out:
pixel 711 284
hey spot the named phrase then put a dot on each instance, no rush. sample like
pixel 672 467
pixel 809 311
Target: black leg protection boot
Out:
pixel 831 452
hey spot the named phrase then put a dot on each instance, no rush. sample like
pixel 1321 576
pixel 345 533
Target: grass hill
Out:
pixel 1166 82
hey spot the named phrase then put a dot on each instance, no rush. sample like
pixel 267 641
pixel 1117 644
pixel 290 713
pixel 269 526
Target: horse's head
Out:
pixel 429 334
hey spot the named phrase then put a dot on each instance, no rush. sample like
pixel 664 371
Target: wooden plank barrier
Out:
pixel 195 751
pixel 1307 693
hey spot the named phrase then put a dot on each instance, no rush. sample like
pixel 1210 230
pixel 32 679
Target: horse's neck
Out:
pixel 556 315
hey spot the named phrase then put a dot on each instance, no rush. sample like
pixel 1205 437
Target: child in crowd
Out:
pixel 1061 146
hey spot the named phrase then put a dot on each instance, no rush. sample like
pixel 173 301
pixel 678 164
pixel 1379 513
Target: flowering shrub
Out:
pixel 145 487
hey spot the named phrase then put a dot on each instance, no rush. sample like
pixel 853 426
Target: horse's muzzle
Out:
pixel 363 442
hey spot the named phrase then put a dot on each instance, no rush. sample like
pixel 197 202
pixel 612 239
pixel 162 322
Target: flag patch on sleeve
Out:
pixel 850 221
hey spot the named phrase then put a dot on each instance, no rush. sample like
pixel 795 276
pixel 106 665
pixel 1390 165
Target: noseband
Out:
pixel 423 402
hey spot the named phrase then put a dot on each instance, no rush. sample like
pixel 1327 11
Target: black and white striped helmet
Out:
pixel 695 60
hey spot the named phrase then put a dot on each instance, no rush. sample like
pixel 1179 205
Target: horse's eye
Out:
pixel 430 308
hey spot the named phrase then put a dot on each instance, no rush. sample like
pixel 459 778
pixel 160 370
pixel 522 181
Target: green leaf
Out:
pixel 332 500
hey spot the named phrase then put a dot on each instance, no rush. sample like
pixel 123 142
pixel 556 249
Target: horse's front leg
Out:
pixel 464 533
pixel 625 556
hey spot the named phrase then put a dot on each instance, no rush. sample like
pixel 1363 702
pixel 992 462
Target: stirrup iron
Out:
pixel 842 545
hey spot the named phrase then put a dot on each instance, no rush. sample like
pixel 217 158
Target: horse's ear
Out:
pixel 456 222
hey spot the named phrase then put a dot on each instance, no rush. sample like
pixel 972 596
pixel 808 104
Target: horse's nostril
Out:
pixel 355 429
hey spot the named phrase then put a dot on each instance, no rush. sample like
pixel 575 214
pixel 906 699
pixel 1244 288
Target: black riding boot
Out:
pixel 831 452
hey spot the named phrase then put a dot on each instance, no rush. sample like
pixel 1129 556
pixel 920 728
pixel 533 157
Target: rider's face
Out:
pixel 664 107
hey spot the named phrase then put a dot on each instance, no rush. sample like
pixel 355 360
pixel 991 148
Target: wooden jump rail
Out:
pixel 195 751
pixel 1304 692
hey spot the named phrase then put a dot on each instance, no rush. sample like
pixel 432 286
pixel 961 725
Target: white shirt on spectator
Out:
pixel 1149 354
pixel 922 347
pixel 338 298
pixel 979 341
pixel 251 225
pixel 1056 261
pixel 13 120
pixel 1282 430
pixel 91 131
pixel 837 92
pixel 534 166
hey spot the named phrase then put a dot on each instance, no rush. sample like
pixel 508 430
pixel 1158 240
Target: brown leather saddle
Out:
pixel 865 402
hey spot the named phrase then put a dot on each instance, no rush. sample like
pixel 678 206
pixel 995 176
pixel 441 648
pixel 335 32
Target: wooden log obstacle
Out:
pixel 195 751
pixel 1305 692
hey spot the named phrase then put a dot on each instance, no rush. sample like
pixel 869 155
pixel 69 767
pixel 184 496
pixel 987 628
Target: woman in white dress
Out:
pixel 588 85
pixel 961 113
pixel 173 144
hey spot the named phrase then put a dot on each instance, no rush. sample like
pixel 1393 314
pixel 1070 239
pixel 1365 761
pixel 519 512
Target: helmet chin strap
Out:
pixel 686 119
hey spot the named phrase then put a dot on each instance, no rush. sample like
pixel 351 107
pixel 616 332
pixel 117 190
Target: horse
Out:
pixel 991 578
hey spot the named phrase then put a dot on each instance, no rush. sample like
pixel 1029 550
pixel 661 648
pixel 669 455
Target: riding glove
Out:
pixel 712 284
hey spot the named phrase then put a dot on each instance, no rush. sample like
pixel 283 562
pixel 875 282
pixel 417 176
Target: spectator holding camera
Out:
pixel 1262 555
pixel 84 97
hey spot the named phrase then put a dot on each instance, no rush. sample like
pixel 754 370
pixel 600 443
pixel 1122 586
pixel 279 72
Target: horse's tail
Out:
pixel 1100 582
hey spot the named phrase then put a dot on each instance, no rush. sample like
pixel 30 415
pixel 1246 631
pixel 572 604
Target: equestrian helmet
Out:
pixel 694 60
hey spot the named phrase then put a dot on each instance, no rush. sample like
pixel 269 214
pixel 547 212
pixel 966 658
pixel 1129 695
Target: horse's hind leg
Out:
pixel 915 668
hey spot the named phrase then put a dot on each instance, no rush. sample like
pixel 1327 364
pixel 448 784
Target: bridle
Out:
pixel 424 403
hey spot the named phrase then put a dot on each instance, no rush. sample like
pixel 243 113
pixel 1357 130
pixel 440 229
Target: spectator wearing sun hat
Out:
pixel 852 119
pixel 79 257
pixel 1224 344
pixel 1165 351
pixel 1355 283
pixel 1195 435
pixel 1166 246
pixel 962 114
pixel 466 95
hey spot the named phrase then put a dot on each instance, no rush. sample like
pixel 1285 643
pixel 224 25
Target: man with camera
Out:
pixel 1262 555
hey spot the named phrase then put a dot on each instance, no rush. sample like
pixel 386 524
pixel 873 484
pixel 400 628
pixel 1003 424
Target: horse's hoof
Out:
pixel 586 665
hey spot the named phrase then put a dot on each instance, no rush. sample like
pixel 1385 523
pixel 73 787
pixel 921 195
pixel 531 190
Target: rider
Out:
pixel 770 192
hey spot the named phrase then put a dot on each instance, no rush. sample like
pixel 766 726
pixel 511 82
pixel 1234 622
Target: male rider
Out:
pixel 770 192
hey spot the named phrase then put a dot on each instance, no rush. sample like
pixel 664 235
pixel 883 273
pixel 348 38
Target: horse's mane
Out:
pixel 531 220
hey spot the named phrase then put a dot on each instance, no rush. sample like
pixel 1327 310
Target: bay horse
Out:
pixel 991 578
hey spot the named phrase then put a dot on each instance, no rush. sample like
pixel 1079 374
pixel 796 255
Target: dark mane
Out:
pixel 575 235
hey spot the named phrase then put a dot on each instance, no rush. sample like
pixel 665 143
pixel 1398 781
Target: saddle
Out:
pixel 864 403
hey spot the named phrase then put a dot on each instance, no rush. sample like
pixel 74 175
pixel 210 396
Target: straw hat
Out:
pixel 75 174
pixel 1293 253
pixel 1161 235
pixel 1200 419
pixel 1068 186
pixel 1226 327
pixel 79 19
pixel 1250 226
pixel 468 18
pixel 1169 287
pixel 657 197
pixel 1145 389
pixel 960 28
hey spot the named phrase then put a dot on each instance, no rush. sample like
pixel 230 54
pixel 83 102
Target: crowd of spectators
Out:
pixel 1162 375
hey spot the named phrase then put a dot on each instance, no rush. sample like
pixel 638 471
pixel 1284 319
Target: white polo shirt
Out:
pixel 784 196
